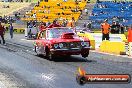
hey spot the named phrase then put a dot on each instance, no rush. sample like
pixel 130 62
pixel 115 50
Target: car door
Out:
pixel 41 42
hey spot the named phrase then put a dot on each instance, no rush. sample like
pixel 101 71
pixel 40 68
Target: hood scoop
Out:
pixel 67 36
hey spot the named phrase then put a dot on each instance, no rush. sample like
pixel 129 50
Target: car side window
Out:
pixel 43 35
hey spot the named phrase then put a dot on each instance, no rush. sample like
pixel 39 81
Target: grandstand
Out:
pixel 55 9
pixel 59 9
pixel 121 11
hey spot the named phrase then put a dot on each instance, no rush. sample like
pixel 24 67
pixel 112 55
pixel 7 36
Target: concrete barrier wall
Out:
pixel 113 47
pixel 18 30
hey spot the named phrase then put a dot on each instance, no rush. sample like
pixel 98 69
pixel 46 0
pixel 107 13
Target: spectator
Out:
pixel 30 34
pixel 86 11
pixel 0 18
pixel 46 17
pixel 89 25
pixel 88 1
pixel 130 34
pixel 42 26
pixel 27 12
pixel 81 17
pixel 24 16
pixel 28 23
pixel 122 29
pixel 117 28
pixel 85 25
pixel 2 31
pixel 105 6
pixel 11 30
pixel 76 1
pixel 71 23
pixel 19 13
pixel 76 9
pixel 16 15
pixel 38 2
pixel 113 27
pixel 98 1
pixel 115 19
pixel 80 11
pixel 54 24
pixel 105 30
pixel 21 0
pixel 34 23
pixel 58 4
pixel 48 11
pixel 64 23
pixel 34 15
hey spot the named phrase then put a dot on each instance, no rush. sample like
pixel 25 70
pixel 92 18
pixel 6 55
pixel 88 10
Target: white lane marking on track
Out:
pixel 26 40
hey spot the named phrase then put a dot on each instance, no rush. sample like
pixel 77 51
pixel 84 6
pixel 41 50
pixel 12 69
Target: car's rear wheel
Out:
pixel 36 48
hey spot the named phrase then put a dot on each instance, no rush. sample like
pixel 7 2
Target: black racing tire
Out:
pixel 85 55
pixel 35 49
pixel 49 55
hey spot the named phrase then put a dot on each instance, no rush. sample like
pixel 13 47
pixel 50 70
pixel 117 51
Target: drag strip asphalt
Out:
pixel 31 71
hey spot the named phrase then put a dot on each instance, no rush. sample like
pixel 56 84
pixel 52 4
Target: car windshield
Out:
pixel 57 32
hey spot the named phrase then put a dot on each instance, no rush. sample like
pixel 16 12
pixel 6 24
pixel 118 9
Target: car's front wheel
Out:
pixel 49 55
pixel 85 55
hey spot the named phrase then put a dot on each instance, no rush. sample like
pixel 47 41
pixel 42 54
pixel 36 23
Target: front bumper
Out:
pixel 71 51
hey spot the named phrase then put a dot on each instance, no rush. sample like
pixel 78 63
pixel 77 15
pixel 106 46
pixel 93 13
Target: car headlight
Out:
pixel 83 43
pixel 56 45
pixel 61 45
pixel 86 44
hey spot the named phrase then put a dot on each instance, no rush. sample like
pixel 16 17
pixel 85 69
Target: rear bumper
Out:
pixel 72 51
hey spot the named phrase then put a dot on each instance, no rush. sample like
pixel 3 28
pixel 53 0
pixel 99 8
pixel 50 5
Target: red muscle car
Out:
pixel 61 41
